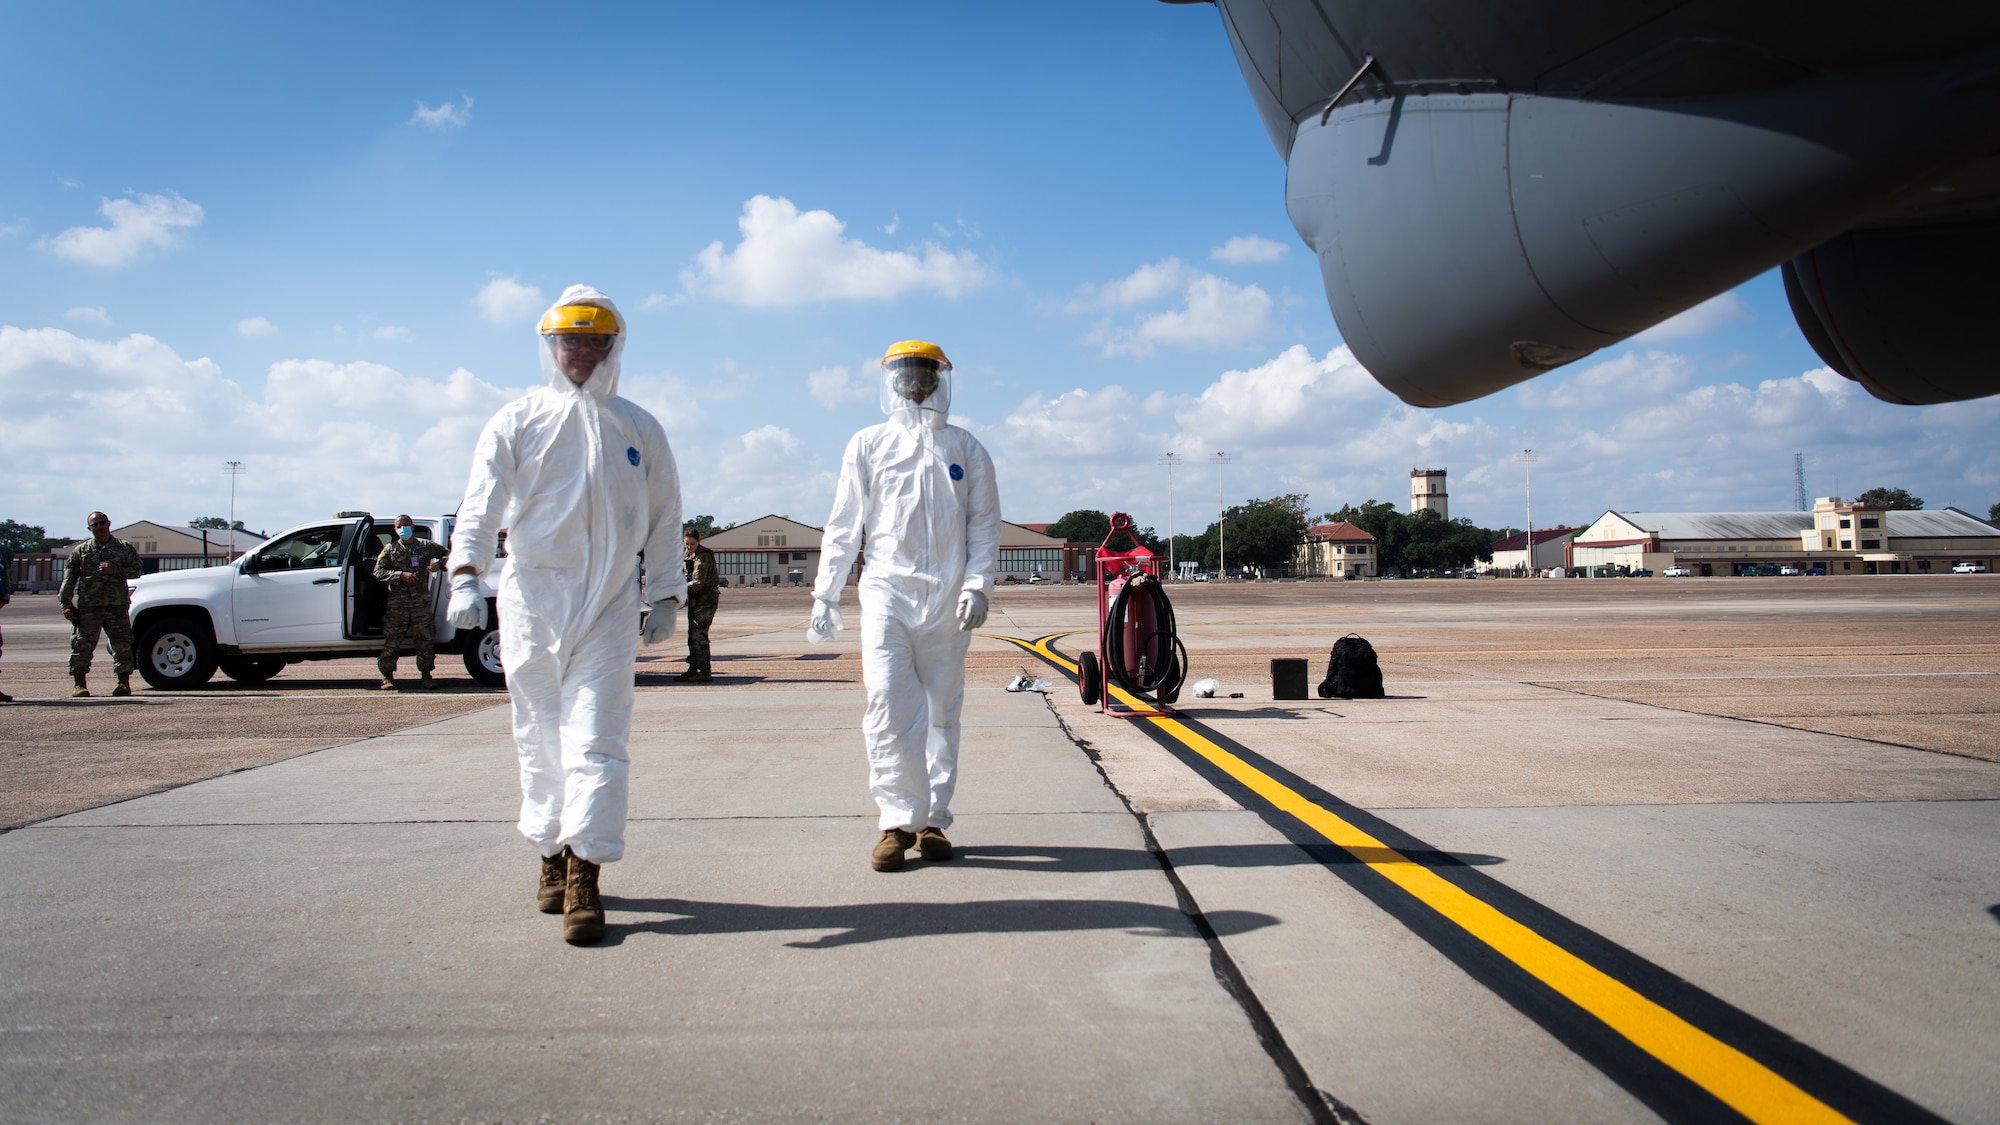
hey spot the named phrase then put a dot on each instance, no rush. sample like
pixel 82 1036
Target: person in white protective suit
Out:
pixel 585 483
pixel 919 493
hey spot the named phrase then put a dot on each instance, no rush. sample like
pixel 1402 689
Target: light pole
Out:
pixel 1221 559
pixel 1527 459
pixel 1168 460
pixel 232 469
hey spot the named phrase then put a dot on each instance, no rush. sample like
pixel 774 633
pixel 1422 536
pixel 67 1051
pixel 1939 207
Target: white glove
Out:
pixel 468 607
pixel 971 610
pixel 826 623
pixel 660 623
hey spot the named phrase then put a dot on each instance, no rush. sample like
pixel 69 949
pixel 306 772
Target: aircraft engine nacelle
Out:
pixel 1905 312
pixel 1471 241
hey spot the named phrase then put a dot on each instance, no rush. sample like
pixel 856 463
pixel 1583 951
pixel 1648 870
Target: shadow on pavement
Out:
pixel 857 923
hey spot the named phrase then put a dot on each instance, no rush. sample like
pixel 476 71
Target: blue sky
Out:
pixel 316 241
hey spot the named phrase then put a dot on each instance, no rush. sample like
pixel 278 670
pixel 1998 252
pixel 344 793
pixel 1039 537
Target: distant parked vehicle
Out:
pixel 1969 568
pixel 307 593
pixel 1788 570
pixel 1677 572
pixel 1641 572
pixel 1819 570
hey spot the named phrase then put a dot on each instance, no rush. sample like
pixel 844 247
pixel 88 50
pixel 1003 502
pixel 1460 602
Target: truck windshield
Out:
pixel 317 547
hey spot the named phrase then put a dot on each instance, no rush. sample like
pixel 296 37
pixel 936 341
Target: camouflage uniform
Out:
pixel 704 594
pixel 102 603
pixel 408 616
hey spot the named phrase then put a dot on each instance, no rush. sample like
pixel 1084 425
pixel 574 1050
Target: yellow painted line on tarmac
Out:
pixel 1738 1080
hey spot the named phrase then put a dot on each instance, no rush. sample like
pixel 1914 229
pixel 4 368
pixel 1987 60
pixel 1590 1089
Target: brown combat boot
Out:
pixel 932 845
pixel 694 676
pixel 80 690
pixel 387 684
pixel 429 684
pixel 124 685
pixel 888 853
pixel 555 875
pixel 583 912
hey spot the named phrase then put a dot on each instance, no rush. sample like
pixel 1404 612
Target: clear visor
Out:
pixel 581 357
pixel 914 382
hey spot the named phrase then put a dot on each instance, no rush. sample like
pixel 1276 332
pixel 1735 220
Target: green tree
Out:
pixel 214 523
pixel 20 538
pixel 1897 499
pixel 1260 533
pixel 704 526
pixel 1085 525
pixel 1436 543
pixel 1993 514
pixel 1389 527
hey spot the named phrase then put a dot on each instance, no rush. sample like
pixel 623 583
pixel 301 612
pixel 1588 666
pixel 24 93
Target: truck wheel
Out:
pixel 482 652
pixel 175 654
pixel 1089 680
pixel 250 669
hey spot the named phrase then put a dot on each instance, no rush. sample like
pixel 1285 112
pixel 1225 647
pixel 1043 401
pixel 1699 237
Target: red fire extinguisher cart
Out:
pixel 1141 654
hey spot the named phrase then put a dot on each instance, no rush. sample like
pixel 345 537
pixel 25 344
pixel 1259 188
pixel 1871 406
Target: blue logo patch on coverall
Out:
pixel 957 473
pixel 632 454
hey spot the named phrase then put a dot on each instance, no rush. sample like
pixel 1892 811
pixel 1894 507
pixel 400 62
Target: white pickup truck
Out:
pixel 309 593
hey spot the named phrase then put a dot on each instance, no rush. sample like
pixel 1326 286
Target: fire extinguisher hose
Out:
pixel 1165 654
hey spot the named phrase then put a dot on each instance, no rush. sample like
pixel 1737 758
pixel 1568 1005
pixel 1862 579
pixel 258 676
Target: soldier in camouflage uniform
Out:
pixel 4 599
pixel 405 566
pixel 704 594
pixel 96 599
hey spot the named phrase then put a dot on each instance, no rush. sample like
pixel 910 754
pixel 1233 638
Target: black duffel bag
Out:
pixel 1352 672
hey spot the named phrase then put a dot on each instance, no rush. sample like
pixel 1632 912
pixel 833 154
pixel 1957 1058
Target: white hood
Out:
pixel 603 382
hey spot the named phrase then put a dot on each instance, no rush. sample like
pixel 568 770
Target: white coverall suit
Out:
pixel 924 495
pixel 584 481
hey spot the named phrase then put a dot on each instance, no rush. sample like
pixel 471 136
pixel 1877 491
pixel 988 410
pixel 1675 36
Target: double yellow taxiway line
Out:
pixel 1736 1079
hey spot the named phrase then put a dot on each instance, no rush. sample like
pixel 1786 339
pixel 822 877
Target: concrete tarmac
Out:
pixel 349 934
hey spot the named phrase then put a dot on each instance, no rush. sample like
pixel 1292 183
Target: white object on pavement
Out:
pixel 922 493
pixel 1205 688
pixel 585 482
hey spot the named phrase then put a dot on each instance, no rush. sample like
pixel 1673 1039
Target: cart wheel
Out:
pixel 1089 681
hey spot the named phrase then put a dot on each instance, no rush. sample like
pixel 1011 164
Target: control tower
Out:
pixel 1427 491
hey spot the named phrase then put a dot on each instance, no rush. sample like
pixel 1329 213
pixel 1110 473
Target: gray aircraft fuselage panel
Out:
pixel 1506 189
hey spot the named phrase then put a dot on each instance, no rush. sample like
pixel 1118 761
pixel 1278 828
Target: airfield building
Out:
pixel 1833 538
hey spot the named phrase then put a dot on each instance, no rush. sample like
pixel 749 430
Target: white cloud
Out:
pixel 255 326
pixel 834 387
pixel 788 257
pixel 504 300
pixel 1213 313
pixel 149 220
pixel 84 421
pixel 767 469
pixel 661 301
pixel 670 399
pixel 1249 248
pixel 1151 282
pixel 89 314
pixel 445 115
pixel 391 332
pixel 1627 378
pixel 1216 314
pixel 1293 396
pixel 1712 314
